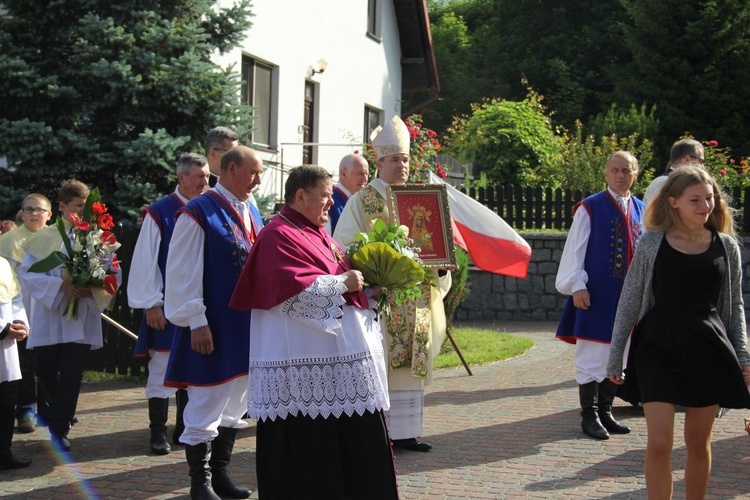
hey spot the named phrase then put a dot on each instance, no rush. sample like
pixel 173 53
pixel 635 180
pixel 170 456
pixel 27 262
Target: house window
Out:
pixel 259 90
pixel 373 119
pixel 373 19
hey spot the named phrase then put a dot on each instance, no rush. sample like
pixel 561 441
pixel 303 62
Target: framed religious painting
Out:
pixel 424 209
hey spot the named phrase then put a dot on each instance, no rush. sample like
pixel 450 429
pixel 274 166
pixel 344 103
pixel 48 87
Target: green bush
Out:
pixel 625 123
pixel 586 157
pixel 512 142
pixel 515 143
pixel 729 170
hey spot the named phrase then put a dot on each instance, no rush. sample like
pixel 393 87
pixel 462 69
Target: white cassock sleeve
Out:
pixel 319 305
pixel 19 312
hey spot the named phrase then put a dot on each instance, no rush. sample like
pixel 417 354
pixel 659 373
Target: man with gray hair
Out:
pixel 353 176
pixel 600 245
pixel 213 235
pixel 683 152
pixel 146 291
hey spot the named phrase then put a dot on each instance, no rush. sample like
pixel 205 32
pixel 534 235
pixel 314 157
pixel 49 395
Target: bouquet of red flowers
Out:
pixel 91 259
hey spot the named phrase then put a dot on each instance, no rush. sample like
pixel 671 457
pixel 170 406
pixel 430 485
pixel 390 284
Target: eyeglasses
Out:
pixel 34 210
pixel 220 149
pixel 698 159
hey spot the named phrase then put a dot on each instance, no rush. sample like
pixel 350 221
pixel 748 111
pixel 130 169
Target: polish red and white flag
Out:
pixel 492 244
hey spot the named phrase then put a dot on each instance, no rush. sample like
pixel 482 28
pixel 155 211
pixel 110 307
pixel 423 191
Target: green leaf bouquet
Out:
pixel 388 258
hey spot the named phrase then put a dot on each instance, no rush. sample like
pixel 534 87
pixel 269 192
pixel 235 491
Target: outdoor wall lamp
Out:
pixel 318 67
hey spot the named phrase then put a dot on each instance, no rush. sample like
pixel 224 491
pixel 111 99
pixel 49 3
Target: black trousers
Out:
pixel 27 384
pixel 8 400
pixel 301 458
pixel 59 370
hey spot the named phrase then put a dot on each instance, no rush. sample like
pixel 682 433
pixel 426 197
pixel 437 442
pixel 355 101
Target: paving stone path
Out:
pixel 510 431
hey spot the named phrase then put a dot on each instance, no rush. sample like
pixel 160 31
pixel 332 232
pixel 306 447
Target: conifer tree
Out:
pixel 112 93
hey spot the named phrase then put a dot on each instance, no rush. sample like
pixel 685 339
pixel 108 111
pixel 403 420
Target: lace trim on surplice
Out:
pixel 328 386
pixel 318 305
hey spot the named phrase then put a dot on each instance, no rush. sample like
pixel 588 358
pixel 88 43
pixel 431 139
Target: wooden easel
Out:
pixel 458 351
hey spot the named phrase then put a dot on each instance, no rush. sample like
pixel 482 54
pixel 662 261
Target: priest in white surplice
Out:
pixel 416 329
pixel 317 378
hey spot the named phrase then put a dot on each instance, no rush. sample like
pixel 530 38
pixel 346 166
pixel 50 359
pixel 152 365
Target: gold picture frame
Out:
pixel 424 209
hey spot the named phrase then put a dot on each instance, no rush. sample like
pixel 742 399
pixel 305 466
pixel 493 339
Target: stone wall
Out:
pixel 495 297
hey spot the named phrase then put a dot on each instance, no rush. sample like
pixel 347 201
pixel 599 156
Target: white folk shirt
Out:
pixel 183 294
pixel 145 283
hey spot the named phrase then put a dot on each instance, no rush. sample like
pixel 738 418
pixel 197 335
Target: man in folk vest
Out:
pixel 146 291
pixel 353 176
pixel 601 242
pixel 212 238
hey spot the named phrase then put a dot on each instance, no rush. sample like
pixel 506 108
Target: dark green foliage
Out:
pixel 683 63
pixel 485 47
pixel 690 58
pixel 112 93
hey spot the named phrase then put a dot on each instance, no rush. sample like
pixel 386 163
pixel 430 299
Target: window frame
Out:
pixel 374 17
pixel 366 122
pixel 249 70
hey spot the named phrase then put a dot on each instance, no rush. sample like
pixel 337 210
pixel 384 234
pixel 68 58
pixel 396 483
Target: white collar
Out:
pixel 225 193
pixel 179 195
pixel 618 197
pixel 342 188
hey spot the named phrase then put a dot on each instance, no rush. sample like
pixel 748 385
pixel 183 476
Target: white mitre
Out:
pixel 392 139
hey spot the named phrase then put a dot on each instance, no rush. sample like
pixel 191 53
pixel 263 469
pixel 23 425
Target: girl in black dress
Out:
pixel 689 347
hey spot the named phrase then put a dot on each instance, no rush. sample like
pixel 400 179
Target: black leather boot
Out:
pixel 590 422
pixel 222 447
pixel 181 400
pixel 607 391
pixel 158 410
pixel 200 472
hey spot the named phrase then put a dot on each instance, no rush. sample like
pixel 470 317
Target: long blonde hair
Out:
pixel 661 217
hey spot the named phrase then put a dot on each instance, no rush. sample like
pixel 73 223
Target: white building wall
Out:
pixel 294 35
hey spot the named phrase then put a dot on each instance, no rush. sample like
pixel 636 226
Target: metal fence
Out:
pixel 545 208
